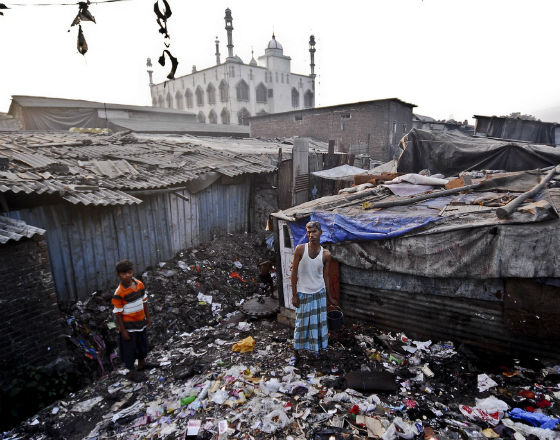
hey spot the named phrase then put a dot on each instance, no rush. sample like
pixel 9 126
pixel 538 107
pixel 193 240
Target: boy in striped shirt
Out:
pixel 131 309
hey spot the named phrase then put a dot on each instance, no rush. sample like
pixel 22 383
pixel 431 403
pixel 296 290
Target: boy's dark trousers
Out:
pixel 135 348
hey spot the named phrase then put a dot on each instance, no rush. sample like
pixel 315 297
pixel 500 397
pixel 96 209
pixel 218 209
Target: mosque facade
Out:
pixel 231 92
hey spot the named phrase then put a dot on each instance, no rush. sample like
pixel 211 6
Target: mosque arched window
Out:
pixel 211 92
pixel 225 116
pixel 295 98
pixel 179 100
pixel 308 99
pixel 224 91
pixel 261 93
pixel 189 98
pixel 243 116
pixel 242 90
pixel 212 117
pixel 201 118
pixel 199 96
pixel 169 100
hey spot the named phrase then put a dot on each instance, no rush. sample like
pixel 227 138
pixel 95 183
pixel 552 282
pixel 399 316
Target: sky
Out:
pixel 452 58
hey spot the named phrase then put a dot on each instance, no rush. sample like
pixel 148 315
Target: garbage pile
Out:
pixel 232 380
pixel 216 373
pixel 199 285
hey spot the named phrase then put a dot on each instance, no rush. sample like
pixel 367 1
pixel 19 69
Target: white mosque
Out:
pixel 231 92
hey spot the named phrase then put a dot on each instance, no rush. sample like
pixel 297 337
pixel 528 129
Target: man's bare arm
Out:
pixel 294 276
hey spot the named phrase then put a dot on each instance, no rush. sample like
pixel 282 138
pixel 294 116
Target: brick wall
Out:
pixel 369 123
pixel 30 320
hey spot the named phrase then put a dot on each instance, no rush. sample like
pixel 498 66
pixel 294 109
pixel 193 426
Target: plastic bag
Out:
pixel 245 345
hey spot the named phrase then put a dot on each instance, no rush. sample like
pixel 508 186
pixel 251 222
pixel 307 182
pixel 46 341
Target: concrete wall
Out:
pixel 30 321
pixel 379 125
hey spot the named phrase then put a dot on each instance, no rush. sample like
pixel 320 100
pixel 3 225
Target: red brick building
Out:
pixel 373 127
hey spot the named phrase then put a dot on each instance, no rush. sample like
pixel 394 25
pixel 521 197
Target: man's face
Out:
pixel 126 277
pixel 313 234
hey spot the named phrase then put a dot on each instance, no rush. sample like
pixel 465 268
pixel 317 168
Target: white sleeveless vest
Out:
pixel 310 272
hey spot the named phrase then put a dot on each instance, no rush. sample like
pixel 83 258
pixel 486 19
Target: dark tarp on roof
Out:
pixel 450 153
pixel 520 129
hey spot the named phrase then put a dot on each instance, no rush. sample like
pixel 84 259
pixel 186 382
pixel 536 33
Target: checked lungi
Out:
pixel 311 332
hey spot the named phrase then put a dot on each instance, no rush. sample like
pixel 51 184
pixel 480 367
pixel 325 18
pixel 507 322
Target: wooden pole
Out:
pixel 507 210
pixel 401 202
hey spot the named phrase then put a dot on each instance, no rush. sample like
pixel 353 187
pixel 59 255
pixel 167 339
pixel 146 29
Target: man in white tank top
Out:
pixel 310 293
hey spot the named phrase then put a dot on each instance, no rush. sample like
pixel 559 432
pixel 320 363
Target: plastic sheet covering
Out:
pixel 450 153
pixel 478 253
pixel 521 129
pixel 61 118
pixel 342 172
pixel 367 226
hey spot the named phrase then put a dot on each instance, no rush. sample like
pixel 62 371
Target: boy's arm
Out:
pixel 148 320
pixel 124 331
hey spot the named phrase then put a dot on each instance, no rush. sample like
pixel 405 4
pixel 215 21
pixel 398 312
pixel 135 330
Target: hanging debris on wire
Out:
pixel 174 63
pixel 3 6
pixel 83 15
pixel 161 19
pixel 82 44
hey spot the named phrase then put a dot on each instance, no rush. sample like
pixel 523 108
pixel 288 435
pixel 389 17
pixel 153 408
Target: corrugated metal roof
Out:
pixel 94 169
pixel 12 229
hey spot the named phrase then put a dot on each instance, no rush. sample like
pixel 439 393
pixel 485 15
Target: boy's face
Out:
pixel 126 277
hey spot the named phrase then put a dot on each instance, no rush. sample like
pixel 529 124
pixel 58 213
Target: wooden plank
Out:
pixel 69 254
pixel 144 235
pixel 85 257
pixel 101 270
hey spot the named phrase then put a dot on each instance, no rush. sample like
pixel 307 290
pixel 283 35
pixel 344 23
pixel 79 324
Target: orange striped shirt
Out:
pixel 129 302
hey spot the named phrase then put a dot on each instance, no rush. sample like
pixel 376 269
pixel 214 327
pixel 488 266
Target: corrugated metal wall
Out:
pixel 86 242
pixel 430 314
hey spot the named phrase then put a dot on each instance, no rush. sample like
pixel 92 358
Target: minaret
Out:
pixel 312 53
pixel 229 29
pixel 150 71
pixel 217 50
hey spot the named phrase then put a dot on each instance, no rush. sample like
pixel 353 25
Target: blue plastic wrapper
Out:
pixel 534 418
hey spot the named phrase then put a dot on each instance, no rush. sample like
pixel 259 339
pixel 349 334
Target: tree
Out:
pixel 519 115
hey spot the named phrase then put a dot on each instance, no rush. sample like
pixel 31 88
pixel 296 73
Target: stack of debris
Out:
pixel 232 380
pixel 219 374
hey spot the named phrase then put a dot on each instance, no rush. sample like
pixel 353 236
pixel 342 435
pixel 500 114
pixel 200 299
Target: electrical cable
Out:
pixel 63 4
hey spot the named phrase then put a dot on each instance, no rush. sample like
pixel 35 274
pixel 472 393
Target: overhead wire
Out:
pixel 64 4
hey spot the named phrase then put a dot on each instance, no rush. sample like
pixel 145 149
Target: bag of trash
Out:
pixel 275 420
pixel 400 429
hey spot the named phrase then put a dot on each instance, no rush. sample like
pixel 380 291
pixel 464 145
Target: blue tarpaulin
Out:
pixel 367 226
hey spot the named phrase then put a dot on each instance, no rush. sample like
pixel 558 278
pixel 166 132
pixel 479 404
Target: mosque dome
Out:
pixel 234 59
pixel 274 44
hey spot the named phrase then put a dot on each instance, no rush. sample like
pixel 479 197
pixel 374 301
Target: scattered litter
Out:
pixel 485 382
pixel 87 405
pixel 207 389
